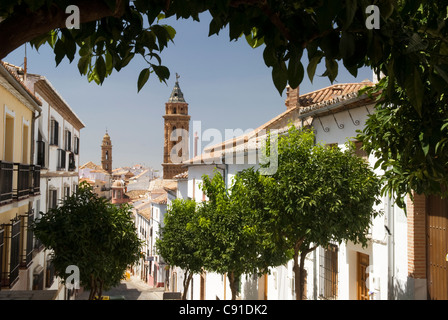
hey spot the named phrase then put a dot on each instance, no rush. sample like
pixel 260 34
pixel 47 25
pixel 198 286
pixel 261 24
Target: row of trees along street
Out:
pixel 318 195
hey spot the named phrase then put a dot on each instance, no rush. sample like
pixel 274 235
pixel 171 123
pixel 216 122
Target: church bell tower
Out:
pixel 106 153
pixel 176 128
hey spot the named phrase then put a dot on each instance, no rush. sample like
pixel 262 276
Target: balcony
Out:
pixel 22 188
pixel 18 181
pixel 11 241
pixel 6 182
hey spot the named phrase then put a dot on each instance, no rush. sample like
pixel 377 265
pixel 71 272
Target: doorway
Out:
pixel 437 248
pixel 362 266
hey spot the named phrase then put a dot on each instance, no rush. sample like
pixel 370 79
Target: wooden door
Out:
pixel 437 248
pixel 363 264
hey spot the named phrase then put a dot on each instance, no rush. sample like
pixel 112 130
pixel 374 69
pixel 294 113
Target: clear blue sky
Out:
pixel 226 85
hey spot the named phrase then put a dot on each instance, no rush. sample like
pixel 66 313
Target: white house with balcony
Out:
pixel 56 149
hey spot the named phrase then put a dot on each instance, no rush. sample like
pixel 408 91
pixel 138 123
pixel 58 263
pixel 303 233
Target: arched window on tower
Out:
pixel 107 155
pixel 174 110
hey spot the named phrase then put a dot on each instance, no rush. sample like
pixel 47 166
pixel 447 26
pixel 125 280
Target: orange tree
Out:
pixel 178 242
pixel 318 195
pixel 92 234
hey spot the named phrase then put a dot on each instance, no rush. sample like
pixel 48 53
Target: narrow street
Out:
pixel 132 289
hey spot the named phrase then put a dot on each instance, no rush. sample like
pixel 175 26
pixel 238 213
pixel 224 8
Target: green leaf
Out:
pixel 142 78
pixel 83 64
pixel 311 68
pixel 295 71
pixel 59 50
pixel 350 10
pixel 100 67
pixel 280 77
pixel 162 72
pixel 414 90
pixel 253 40
pixel 347 45
pixel 332 69
pixel 269 56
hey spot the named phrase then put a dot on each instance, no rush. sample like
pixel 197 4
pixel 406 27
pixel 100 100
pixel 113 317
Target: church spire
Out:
pixel 176 94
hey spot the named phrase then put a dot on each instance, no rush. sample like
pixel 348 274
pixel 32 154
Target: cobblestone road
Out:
pixel 132 289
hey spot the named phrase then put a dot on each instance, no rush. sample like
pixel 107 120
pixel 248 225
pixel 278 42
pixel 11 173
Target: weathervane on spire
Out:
pixel 177 77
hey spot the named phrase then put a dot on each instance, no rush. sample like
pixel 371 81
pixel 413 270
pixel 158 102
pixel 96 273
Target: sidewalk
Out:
pixel 132 289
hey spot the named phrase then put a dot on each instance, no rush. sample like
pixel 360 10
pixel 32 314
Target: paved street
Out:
pixel 133 289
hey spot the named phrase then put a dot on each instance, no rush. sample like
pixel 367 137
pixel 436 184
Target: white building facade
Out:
pixel 57 134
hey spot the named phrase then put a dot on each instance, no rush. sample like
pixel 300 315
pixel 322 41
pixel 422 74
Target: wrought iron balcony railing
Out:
pixel 18 181
pixel 6 182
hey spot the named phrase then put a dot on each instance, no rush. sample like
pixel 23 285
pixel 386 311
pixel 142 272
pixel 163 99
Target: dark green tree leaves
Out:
pixel 96 236
pixel 179 240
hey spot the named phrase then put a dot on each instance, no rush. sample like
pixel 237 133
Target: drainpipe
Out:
pixel 390 228
pixel 33 143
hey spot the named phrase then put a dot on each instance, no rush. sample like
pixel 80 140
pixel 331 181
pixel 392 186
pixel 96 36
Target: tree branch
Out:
pixel 267 10
pixel 24 25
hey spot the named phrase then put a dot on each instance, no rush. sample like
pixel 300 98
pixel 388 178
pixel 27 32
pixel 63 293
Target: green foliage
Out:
pixel 407 132
pixel 233 232
pixel 410 49
pixel 318 195
pixel 179 241
pixel 178 244
pixel 96 236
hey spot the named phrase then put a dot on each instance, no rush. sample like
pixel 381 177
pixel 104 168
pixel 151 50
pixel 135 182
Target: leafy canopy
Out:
pixel 320 194
pixel 178 243
pixel 91 233
pixel 409 48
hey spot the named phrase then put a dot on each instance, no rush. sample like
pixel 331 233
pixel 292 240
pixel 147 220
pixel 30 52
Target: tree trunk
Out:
pixel 233 283
pixel 100 289
pixel 27 25
pixel 93 288
pixel 297 274
pixel 299 267
pixel 187 280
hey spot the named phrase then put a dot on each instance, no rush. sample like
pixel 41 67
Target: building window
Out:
pixel 54 133
pixel 10 258
pixel 68 140
pixel 66 192
pixel 61 160
pixel 76 145
pixel 53 199
pixel 9 139
pixel 25 144
pixel 40 153
pixel 71 162
pixel 328 272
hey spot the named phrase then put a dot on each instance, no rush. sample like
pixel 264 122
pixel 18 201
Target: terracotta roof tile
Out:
pixel 13 70
pixel 308 102
pixel 161 199
pixel 331 92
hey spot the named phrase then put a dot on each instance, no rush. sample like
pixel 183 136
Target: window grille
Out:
pixel 328 272
pixel 2 233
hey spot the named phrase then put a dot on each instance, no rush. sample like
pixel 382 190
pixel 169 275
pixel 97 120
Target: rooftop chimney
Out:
pixel 292 97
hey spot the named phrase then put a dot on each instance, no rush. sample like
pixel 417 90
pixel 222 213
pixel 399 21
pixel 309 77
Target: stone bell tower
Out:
pixel 176 128
pixel 106 153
